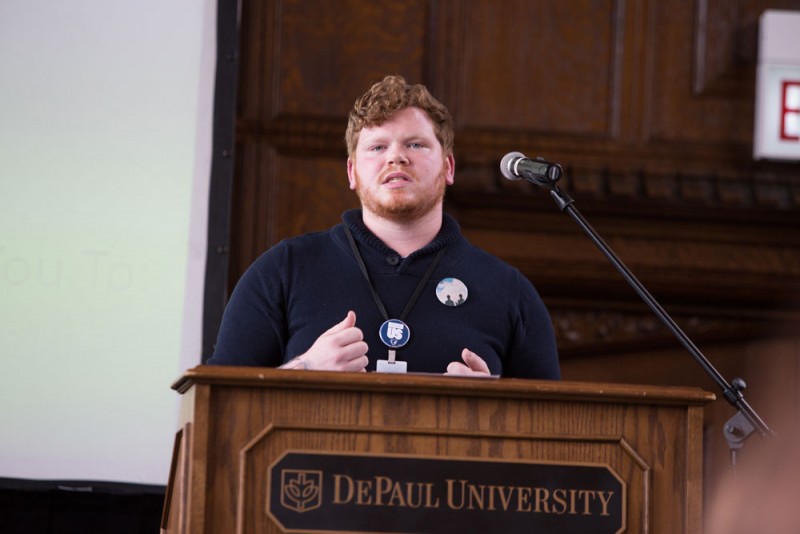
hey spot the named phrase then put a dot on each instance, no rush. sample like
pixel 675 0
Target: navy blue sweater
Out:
pixel 304 285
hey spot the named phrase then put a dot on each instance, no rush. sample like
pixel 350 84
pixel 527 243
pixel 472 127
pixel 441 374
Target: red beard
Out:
pixel 402 207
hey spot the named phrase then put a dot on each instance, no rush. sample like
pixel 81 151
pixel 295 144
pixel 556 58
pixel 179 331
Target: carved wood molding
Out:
pixel 760 189
pixel 690 257
pixel 581 330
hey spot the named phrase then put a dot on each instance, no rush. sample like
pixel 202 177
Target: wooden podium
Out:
pixel 265 451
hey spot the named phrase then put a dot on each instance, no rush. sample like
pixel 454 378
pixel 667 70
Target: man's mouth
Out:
pixel 395 178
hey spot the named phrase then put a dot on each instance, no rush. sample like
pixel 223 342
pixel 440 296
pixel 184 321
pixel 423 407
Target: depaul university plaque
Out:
pixel 319 492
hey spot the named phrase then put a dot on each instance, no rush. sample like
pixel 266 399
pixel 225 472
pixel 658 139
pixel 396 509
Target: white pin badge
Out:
pixel 451 292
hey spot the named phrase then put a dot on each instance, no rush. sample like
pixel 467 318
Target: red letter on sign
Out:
pixel 790 111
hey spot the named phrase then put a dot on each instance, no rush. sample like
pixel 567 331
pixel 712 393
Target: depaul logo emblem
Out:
pixel 301 489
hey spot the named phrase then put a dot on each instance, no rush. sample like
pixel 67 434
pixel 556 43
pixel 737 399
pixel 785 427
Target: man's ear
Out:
pixel 450 167
pixel 351 173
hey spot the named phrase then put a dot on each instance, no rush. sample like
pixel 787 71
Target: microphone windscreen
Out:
pixel 505 165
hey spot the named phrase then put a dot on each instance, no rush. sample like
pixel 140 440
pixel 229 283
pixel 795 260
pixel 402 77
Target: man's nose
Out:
pixel 398 156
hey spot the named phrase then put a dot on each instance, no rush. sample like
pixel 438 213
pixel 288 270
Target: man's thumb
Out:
pixel 473 361
pixel 348 322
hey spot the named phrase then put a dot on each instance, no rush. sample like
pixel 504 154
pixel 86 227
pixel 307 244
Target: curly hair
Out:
pixel 393 94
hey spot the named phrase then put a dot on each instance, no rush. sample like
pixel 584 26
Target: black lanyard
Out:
pixel 375 296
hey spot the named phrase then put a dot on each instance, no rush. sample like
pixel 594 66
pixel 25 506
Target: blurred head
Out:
pixel 763 494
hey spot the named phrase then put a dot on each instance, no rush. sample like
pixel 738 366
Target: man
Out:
pixel 395 286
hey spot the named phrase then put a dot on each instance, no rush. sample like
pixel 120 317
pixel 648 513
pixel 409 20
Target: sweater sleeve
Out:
pixel 253 331
pixel 534 353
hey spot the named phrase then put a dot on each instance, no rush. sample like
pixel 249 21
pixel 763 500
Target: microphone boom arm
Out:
pixel 739 427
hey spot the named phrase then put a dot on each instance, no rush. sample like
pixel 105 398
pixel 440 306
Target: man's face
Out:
pixel 398 169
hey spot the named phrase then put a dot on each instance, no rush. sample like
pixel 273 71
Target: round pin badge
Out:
pixel 451 292
pixel 394 333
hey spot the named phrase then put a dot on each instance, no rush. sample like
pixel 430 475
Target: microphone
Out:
pixel 515 166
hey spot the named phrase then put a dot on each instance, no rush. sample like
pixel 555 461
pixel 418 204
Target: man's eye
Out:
pixel 377 148
pixel 415 145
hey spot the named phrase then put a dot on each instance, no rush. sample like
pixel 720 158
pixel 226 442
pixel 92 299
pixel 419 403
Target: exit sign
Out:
pixel 777 120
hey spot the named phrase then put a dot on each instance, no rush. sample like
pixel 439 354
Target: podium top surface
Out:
pixel 264 377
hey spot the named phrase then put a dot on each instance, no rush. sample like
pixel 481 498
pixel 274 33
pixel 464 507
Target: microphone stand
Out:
pixel 739 427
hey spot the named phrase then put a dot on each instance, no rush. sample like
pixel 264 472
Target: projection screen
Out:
pixel 105 136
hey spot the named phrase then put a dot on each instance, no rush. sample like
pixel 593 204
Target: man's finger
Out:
pixel 346 337
pixel 474 362
pixel 457 368
pixel 358 364
pixel 348 322
pixel 353 351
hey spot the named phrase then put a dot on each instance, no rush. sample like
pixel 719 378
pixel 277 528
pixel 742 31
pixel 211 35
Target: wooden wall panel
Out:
pixel 331 51
pixel 313 58
pixel 679 113
pixel 720 53
pixel 286 196
pixel 647 104
pixel 312 193
pixel 303 64
pixel 517 56
pixel 253 213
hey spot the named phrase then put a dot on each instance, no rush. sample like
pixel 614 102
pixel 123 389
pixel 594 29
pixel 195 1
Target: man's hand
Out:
pixel 341 348
pixel 475 366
